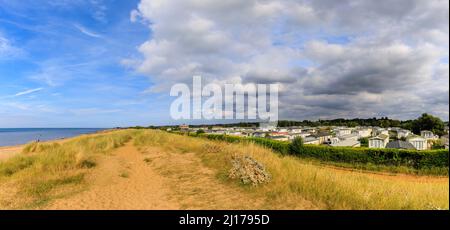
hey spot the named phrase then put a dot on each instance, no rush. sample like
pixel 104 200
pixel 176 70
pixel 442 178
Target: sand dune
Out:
pixel 121 181
pixel 10 151
pixel 151 170
pixel 155 180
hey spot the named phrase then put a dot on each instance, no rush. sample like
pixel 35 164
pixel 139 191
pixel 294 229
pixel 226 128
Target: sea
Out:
pixel 19 136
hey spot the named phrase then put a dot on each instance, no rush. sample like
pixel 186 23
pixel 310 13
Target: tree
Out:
pixel 364 142
pixel 297 145
pixel 428 122
pixel 200 131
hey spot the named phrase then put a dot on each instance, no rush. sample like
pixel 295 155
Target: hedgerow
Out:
pixel 421 160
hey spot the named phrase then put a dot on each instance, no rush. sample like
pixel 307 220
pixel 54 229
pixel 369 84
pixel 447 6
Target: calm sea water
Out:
pixel 10 137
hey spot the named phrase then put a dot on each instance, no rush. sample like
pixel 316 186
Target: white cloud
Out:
pixel 7 50
pixel 99 10
pixel 26 92
pixel 87 31
pixel 390 49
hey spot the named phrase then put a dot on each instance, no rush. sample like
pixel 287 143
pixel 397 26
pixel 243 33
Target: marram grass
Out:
pixel 295 179
pixel 43 168
pixel 46 171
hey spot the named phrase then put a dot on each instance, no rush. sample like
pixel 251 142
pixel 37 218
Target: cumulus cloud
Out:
pixel 333 58
pixel 363 67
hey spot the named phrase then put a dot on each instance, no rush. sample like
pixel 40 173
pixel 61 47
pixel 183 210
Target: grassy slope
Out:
pixel 48 171
pixel 295 179
pixel 45 171
pixel 432 162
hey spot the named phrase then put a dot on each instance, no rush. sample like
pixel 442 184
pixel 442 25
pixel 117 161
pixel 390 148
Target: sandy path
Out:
pixel 120 181
pixel 197 187
pixel 155 179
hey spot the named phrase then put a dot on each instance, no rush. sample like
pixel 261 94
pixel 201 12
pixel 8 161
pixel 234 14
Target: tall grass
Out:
pixel 44 169
pixel 295 180
pixel 432 162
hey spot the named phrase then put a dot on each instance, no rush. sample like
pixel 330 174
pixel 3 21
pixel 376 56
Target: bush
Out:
pixel 249 171
pixel 277 146
pixel 297 145
pixel 388 157
pixel 200 131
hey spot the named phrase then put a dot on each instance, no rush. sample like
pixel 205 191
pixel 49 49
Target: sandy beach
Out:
pixel 6 152
pixel 9 151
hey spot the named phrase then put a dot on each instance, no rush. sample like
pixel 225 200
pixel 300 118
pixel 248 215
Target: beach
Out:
pixel 9 151
pixel 154 170
pixel 21 136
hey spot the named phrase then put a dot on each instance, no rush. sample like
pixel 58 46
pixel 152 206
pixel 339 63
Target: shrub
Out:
pixel 297 145
pixel 200 131
pixel 249 171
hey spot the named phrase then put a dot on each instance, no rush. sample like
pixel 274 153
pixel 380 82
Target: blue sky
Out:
pixel 108 63
pixel 64 68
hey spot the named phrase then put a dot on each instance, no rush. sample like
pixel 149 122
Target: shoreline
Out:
pixel 9 151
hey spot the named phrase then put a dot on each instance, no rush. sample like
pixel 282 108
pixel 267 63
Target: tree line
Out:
pixel 425 122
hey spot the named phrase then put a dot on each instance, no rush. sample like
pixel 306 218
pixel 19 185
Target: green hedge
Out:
pixel 388 157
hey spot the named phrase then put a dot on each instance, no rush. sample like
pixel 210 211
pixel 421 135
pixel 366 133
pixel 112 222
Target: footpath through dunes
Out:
pixel 121 180
pixel 156 180
pixel 148 170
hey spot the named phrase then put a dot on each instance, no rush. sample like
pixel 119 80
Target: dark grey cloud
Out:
pixel 376 69
pixel 389 61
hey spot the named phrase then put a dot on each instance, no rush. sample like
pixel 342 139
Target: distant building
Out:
pixel 236 133
pixel 280 138
pixel 379 131
pixel 400 145
pixel 310 140
pixel 324 137
pixel 403 133
pixel 343 132
pixel 269 126
pixel 282 130
pixel 296 130
pixel 309 130
pixel 353 137
pixel 259 134
pixel 346 143
pixel 302 135
pixel 418 142
pixel 363 132
pixel 184 127
pixel 444 141
pixel 428 135
pixel 379 141
pixel 334 140
pixel 279 134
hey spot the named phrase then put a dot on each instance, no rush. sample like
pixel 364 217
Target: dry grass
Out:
pixel 45 171
pixel 295 180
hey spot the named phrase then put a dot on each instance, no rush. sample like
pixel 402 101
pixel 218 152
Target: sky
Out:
pixel 109 63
